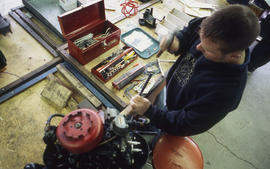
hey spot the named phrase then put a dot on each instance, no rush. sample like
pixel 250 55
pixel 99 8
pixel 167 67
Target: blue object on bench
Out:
pixel 153 49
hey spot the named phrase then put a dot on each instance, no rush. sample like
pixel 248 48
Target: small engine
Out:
pixel 82 140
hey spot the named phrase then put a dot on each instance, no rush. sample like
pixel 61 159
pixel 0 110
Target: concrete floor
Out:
pixel 240 141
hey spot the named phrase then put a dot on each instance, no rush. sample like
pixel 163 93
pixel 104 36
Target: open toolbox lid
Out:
pixel 81 18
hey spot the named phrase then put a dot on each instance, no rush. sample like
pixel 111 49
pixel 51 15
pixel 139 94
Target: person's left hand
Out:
pixel 139 104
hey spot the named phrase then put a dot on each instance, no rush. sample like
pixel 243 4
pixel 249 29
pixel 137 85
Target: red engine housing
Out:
pixel 80 131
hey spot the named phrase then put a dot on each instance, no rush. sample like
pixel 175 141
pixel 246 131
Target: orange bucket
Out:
pixel 174 152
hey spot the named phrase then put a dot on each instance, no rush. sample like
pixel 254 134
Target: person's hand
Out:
pixel 162 46
pixel 165 43
pixel 139 104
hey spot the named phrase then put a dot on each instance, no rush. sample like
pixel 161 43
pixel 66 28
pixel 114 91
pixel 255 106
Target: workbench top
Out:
pixel 125 25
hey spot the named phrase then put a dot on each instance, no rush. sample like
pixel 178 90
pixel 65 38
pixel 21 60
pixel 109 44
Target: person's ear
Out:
pixel 235 55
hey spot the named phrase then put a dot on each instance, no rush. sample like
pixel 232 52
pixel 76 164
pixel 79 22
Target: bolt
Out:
pixel 134 142
pixel 78 125
pixel 137 150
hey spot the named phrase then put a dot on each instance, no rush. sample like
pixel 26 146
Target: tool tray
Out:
pixel 86 20
pixel 151 50
pixel 113 64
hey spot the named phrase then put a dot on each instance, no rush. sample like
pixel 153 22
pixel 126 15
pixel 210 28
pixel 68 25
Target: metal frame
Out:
pixel 36 28
pixel 28 80
pixel 33 33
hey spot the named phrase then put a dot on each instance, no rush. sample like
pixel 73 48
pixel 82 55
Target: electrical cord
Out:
pixel 129 8
pixel 48 123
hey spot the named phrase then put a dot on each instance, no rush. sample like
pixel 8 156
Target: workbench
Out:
pixel 116 96
pixel 57 48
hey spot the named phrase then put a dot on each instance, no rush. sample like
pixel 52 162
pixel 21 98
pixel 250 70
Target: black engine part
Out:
pixel 130 151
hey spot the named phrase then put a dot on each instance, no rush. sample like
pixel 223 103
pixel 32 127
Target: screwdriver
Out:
pixel 145 84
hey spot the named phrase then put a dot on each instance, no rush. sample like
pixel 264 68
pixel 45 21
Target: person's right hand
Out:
pixel 165 43
pixel 162 45
pixel 139 104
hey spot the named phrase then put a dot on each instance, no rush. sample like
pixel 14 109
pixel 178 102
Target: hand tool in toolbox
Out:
pixel 123 80
pixel 87 31
pixel 109 67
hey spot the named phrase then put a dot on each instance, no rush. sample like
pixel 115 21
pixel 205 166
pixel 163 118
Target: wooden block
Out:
pixel 79 86
pixel 52 77
pixel 72 104
pixel 56 94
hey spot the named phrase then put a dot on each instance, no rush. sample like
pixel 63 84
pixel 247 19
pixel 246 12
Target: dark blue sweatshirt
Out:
pixel 200 92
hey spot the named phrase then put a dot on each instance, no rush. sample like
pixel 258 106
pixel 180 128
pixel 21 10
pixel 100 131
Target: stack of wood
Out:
pixel 61 95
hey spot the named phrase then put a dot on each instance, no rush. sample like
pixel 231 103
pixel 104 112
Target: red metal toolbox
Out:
pixel 88 20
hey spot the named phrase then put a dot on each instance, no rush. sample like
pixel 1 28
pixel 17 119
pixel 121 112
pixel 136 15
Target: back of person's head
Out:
pixel 234 28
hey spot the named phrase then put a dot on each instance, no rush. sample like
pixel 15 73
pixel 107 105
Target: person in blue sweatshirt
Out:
pixel 208 79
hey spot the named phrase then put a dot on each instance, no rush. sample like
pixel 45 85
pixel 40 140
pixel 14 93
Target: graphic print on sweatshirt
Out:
pixel 185 69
